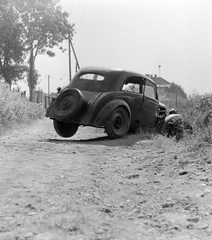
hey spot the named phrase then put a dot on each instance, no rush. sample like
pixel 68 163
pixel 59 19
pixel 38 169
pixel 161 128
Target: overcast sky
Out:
pixel 139 35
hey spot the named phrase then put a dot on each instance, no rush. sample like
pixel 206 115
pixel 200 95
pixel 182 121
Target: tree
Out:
pixel 176 89
pixel 11 47
pixel 45 26
pixel 29 28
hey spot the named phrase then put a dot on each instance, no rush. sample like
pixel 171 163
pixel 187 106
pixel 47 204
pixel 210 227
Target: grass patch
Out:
pixel 16 109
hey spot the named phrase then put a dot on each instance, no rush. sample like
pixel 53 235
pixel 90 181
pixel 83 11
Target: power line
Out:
pixel 83 15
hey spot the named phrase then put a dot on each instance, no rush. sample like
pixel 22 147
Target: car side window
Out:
pixel 134 84
pixel 131 87
pixel 150 92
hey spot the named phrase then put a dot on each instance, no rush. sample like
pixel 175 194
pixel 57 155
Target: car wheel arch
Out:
pixel 101 119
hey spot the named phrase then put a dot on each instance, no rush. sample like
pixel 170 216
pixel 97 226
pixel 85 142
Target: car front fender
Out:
pixel 163 125
pixel 102 117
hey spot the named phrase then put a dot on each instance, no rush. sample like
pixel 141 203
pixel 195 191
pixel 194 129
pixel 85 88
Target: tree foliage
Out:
pixel 176 89
pixel 11 45
pixel 45 26
pixel 34 27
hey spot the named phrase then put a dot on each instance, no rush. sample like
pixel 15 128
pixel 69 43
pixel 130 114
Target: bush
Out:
pixel 203 120
pixel 16 109
pixel 198 113
pixel 173 101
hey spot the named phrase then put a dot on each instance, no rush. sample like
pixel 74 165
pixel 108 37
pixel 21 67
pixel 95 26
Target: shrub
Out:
pixel 15 109
pixel 204 116
pixel 198 113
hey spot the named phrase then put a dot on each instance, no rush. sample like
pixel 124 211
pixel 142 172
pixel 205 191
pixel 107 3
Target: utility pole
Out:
pixel 76 68
pixel 69 54
pixel 70 46
pixel 77 62
pixel 48 89
pixel 159 69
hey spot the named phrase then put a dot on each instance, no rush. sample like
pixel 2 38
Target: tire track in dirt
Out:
pixel 89 187
pixel 46 178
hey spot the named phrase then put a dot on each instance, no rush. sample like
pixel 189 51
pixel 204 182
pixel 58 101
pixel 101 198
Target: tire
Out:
pixel 68 105
pixel 119 123
pixel 65 129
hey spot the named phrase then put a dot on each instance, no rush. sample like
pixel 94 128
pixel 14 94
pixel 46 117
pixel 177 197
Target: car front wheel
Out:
pixel 65 129
pixel 118 124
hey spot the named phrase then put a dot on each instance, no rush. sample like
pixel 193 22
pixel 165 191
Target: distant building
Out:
pixel 161 83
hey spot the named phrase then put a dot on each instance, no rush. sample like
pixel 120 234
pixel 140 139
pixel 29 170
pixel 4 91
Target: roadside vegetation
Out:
pixel 16 109
pixel 197 112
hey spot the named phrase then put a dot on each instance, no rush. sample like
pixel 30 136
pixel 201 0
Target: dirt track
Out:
pixel 91 188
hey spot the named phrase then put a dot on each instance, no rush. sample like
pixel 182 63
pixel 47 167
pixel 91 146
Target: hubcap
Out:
pixel 66 103
pixel 117 122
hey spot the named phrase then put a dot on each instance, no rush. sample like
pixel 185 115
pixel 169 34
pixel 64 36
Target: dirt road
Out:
pixel 91 188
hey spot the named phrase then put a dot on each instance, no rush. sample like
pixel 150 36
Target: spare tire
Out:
pixel 68 105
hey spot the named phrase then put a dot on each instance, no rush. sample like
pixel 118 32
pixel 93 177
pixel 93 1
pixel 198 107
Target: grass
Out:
pixel 16 109
pixel 196 143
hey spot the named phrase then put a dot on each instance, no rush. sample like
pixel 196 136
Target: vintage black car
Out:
pixel 114 99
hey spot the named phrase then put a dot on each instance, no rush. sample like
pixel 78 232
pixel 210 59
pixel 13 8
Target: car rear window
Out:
pixel 92 76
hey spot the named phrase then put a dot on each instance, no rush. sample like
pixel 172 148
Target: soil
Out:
pixel 91 188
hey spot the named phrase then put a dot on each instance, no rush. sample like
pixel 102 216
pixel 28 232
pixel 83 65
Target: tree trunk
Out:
pixel 31 75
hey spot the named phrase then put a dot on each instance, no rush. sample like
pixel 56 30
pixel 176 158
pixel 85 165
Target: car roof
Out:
pixel 114 77
pixel 107 69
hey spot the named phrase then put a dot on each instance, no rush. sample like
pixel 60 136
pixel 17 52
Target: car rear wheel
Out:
pixel 68 105
pixel 119 122
pixel 65 129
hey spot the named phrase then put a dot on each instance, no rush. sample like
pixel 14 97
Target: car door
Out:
pixel 132 89
pixel 148 113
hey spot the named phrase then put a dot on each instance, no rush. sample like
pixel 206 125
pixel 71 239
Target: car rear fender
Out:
pixel 49 111
pixel 102 117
